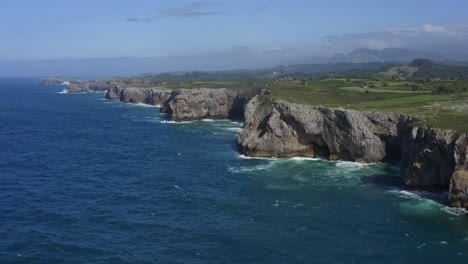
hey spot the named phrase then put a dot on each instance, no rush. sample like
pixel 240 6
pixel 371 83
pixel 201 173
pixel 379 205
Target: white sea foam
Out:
pixel 426 203
pixel 234 129
pixel 350 164
pixel 144 105
pixel 64 91
pixel 242 156
pixel 207 120
pixel 304 158
pixel 175 122
pixel 264 167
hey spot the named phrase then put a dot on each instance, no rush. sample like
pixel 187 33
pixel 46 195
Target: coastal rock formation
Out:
pixel 280 129
pixel 151 96
pixel 98 85
pixel 52 81
pixel 73 88
pixel 427 158
pixel 186 104
pixel 195 104
pixel 113 93
pixel 458 192
pixel 85 88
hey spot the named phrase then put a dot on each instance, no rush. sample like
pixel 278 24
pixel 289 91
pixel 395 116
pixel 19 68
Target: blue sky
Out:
pixel 47 29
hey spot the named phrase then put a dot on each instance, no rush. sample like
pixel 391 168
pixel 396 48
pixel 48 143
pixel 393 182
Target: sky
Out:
pixel 34 30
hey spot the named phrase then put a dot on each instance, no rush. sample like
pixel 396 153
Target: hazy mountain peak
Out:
pixel 391 54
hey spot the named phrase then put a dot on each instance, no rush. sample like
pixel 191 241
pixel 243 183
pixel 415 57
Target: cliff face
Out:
pixel 432 159
pixel 458 193
pixel 97 85
pixel 151 96
pixel 427 158
pixel 281 129
pixel 183 105
pixel 73 88
pixel 195 104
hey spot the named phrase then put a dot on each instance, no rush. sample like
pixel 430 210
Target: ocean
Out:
pixel 87 180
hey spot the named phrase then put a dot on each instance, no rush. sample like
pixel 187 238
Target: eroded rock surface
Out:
pixel 427 158
pixel 151 96
pixel 458 193
pixel 195 104
pixel 280 129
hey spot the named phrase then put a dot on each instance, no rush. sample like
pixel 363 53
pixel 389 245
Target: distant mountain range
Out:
pixel 218 61
pixel 364 55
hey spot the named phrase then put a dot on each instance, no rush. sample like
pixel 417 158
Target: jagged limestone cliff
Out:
pixel 195 104
pixel 458 194
pixel 151 96
pixel 280 129
pixel 190 104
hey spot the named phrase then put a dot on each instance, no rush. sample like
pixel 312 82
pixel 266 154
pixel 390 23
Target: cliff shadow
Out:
pixel 388 179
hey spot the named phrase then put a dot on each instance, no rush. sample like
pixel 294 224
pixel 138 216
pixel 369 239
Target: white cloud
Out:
pixel 433 29
pixel 435 38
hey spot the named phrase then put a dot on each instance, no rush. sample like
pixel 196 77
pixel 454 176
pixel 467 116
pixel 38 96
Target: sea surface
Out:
pixel 87 180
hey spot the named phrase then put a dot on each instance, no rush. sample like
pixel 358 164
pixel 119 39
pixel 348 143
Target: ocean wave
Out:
pixel 242 156
pixel 64 91
pixel 174 122
pixel 234 129
pixel 304 158
pixel 426 203
pixel 144 105
pixel 243 169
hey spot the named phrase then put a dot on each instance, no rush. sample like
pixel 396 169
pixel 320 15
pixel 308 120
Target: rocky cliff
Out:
pixel 427 158
pixel 195 104
pixel 151 96
pixel 97 85
pixel 73 88
pixel 431 159
pixel 458 193
pixel 280 129
pixel 185 104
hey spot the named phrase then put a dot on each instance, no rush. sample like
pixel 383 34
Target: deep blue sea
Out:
pixel 86 180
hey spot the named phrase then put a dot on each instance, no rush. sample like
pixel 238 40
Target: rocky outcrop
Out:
pixel 195 104
pixel 52 81
pixel 73 88
pixel 280 129
pixel 85 88
pixel 113 93
pixel 151 96
pixel 186 104
pixel 458 192
pixel 433 160
pixel 427 158
pixel 99 85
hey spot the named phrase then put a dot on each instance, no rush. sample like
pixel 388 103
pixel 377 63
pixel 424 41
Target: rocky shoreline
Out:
pixel 431 159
